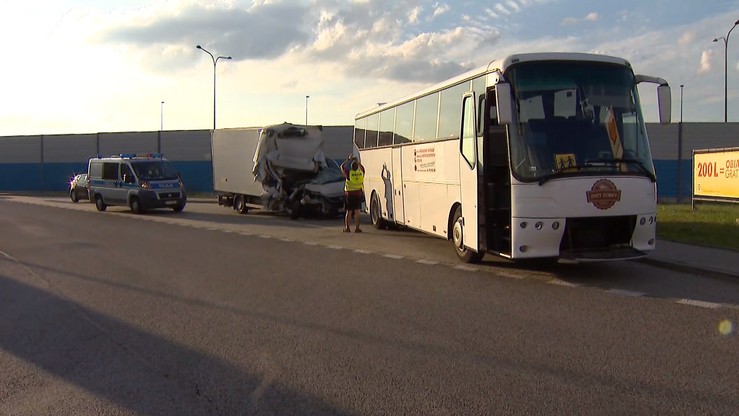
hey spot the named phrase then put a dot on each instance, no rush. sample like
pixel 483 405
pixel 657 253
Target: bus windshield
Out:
pixel 576 118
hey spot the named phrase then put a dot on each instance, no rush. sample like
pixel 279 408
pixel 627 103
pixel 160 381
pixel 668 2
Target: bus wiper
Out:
pixel 638 163
pixel 564 171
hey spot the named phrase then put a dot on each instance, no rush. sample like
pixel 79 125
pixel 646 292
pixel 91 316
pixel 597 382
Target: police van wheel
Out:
pixel 135 206
pixel 99 204
pixel 178 207
pixel 73 195
pixel 464 254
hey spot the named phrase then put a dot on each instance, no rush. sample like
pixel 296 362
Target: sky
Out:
pixel 88 66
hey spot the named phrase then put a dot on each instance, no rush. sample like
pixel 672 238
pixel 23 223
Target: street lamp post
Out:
pixel 680 147
pixel 306 109
pixel 726 65
pixel 161 116
pixel 215 62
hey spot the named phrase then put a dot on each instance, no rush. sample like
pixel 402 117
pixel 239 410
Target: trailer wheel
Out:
pixel 240 204
pixel 464 254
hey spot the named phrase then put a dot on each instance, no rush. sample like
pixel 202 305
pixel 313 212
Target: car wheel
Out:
pixel 73 195
pixel 464 254
pixel 99 204
pixel 179 207
pixel 295 208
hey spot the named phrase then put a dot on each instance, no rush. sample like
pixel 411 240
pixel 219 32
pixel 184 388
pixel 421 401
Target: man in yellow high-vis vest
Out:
pixel 353 191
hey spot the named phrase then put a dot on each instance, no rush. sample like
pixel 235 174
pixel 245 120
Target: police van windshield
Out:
pixel 154 170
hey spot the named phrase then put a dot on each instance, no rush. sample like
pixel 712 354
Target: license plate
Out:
pixel 171 202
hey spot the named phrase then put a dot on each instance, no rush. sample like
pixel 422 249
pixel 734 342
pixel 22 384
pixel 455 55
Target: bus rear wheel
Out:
pixel 376 213
pixel 464 253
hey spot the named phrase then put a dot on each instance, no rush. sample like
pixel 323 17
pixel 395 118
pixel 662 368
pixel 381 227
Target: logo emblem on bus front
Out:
pixel 603 194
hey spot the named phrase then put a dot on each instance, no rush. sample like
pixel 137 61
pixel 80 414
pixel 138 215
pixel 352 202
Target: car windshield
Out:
pixel 577 118
pixel 154 170
pixel 329 174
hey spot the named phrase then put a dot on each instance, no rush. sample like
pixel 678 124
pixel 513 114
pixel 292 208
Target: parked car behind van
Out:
pixel 79 188
pixel 139 181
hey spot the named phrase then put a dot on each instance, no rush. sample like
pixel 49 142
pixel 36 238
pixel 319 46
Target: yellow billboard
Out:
pixel 716 173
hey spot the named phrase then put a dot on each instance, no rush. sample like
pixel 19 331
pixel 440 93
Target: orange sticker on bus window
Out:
pixel 565 161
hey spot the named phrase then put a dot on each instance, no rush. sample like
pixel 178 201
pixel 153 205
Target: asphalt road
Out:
pixel 209 312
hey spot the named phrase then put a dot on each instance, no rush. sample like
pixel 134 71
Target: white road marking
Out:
pixel 562 283
pixel 466 268
pixel 624 292
pixel 699 303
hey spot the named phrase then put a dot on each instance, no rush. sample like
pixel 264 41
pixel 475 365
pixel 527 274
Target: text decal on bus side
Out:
pixel 603 194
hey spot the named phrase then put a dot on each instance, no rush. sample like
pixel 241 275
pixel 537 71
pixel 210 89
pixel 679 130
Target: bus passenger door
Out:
pixel 396 214
pixel 468 174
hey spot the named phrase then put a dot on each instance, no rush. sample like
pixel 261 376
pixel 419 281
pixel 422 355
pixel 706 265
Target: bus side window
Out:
pixel 481 115
pixel 496 134
pixel 493 111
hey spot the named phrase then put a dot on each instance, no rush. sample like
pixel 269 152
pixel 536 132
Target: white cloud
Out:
pixel 492 13
pixel 502 9
pixel 414 14
pixel 513 6
pixel 572 21
pixel 686 39
pixel 440 9
pixel 705 62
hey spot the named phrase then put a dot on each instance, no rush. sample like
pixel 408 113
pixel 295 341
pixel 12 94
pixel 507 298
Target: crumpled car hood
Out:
pixel 329 190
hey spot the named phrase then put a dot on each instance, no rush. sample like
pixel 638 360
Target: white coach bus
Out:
pixel 535 156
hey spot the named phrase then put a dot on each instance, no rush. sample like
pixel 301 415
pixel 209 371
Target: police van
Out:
pixel 139 181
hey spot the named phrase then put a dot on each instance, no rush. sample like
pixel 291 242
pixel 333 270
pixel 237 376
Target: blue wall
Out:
pixel 20 176
pixel 667 179
pixel 55 177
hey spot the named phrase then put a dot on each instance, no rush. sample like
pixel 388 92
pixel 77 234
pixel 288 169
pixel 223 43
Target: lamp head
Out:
pixel 199 47
pixel 715 39
pixel 736 23
pixel 228 57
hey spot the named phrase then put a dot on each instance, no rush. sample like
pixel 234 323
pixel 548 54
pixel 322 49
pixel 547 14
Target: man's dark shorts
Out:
pixel 353 200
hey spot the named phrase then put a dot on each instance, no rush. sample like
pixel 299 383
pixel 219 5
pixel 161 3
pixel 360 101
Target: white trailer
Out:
pixel 278 168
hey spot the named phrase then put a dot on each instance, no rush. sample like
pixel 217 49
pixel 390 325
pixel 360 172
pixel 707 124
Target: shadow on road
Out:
pixel 122 364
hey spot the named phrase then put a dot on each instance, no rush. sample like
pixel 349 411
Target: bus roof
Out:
pixel 500 65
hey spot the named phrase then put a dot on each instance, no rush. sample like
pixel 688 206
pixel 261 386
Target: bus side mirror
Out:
pixel 504 104
pixel 664 101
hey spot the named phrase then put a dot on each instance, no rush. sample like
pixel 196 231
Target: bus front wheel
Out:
pixel 464 253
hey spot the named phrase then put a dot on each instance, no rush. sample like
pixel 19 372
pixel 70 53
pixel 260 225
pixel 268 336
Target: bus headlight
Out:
pixel 642 221
pixel 555 225
pixel 524 224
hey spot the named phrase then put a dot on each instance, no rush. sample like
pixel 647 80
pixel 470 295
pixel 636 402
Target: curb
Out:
pixel 680 267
